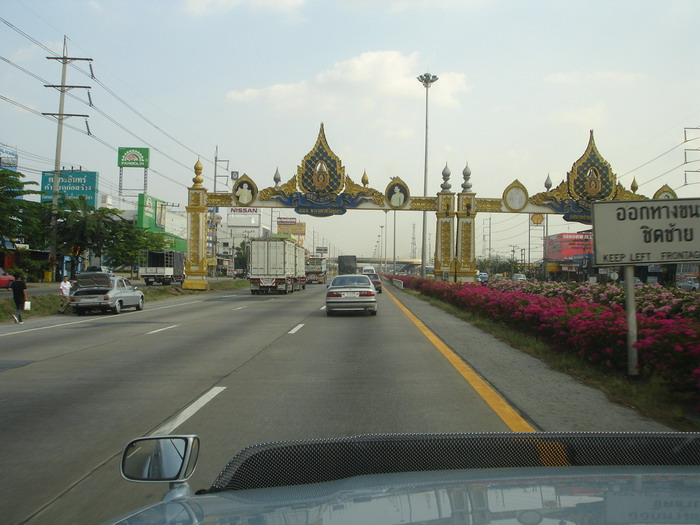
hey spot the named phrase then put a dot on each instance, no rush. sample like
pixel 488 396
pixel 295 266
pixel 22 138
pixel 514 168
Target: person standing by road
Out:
pixel 19 294
pixel 65 287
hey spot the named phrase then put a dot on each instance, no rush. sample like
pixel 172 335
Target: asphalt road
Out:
pixel 74 390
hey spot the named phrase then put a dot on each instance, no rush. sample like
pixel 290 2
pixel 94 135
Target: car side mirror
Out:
pixel 160 458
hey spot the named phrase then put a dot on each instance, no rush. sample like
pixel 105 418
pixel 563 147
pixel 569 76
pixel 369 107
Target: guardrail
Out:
pixel 398 283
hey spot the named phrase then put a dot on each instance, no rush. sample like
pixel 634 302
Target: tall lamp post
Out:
pixel 427 80
pixel 548 186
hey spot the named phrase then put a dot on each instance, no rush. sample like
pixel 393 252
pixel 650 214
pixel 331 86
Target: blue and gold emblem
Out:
pixel 320 187
pixel 591 179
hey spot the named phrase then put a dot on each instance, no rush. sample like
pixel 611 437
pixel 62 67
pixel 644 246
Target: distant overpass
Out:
pixel 402 263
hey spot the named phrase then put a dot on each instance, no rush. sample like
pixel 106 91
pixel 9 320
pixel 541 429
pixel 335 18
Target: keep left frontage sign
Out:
pixel 665 231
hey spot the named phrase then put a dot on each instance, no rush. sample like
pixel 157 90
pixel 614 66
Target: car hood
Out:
pixel 589 494
pixel 93 280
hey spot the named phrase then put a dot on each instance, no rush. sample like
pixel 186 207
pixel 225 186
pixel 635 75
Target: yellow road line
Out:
pixel 499 405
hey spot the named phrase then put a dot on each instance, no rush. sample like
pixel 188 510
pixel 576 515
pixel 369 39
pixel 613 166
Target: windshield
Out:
pixel 498 202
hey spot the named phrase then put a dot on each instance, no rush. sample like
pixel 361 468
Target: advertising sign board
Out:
pixel 321 249
pixel 72 184
pixel 664 231
pixel 286 220
pixel 292 229
pixel 132 157
pixel 8 160
pixel 151 213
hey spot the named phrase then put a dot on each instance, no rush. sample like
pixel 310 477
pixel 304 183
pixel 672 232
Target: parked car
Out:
pixel 519 277
pixel 102 291
pixel 483 277
pixel 103 269
pixel 5 278
pixel 376 281
pixel 352 293
pixel 689 284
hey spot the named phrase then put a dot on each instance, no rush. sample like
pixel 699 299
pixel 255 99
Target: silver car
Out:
pixel 351 292
pixel 102 291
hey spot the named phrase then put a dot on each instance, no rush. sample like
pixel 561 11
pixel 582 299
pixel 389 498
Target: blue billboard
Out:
pixel 72 184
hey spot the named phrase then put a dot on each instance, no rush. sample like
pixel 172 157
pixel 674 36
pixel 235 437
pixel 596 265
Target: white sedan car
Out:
pixel 102 291
pixel 351 293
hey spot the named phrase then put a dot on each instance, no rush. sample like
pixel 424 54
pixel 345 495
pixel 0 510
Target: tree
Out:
pixel 128 240
pixel 81 227
pixel 240 258
pixel 14 209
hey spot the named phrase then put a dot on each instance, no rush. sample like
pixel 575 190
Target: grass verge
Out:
pixel 650 397
pixel 43 305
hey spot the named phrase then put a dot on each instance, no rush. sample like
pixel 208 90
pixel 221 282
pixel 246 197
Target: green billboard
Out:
pixel 72 184
pixel 132 157
pixel 151 213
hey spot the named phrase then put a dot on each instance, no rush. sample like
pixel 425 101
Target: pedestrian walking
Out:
pixel 19 294
pixel 65 287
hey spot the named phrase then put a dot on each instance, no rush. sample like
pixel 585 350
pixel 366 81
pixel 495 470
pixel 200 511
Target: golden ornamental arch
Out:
pixel 321 188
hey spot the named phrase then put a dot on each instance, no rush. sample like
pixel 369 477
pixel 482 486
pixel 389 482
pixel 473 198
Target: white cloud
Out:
pixel 279 96
pixel 577 77
pixel 587 117
pixel 379 86
pixel 205 7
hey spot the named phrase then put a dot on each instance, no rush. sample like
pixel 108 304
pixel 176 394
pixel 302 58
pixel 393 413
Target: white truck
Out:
pixel 273 266
pixel 316 270
pixel 165 267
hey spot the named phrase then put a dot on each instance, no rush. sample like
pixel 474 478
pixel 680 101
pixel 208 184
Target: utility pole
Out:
pixel 60 116
pixel 512 260
pixel 413 242
pixel 215 227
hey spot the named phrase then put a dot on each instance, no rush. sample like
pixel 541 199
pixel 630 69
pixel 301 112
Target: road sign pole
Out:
pixel 631 311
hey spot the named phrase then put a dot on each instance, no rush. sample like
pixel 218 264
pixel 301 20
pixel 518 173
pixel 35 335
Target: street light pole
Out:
pixel 427 80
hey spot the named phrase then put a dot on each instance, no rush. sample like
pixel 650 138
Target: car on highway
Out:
pixel 483 277
pixel 376 281
pixel 519 277
pixel 5 278
pixel 104 292
pixel 351 293
pixel 385 479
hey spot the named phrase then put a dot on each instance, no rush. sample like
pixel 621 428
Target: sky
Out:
pixel 521 84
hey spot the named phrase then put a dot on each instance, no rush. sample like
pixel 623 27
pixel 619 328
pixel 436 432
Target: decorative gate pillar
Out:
pixel 196 261
pixel 464 269
pixel 444 229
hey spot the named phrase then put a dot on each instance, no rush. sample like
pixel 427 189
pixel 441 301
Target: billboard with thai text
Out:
pixel 71 184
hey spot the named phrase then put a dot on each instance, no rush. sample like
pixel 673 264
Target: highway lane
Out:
pixel 286 370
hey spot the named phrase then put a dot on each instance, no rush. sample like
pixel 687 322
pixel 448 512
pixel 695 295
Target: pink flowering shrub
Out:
pixel 649 298
pixel 589 319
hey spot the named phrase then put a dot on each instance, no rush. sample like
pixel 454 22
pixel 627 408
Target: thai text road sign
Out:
pixel 664 231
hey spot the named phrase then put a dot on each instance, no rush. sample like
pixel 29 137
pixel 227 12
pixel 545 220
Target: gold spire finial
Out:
pixel 634 185
pixel 198 173
pixel 365 179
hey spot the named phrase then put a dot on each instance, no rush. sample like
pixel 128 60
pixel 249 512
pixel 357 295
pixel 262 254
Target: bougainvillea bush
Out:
pixel 590 320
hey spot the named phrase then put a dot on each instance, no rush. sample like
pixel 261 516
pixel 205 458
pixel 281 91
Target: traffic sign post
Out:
pixel 636 233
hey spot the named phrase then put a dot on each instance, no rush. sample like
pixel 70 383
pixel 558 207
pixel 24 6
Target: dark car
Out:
pixel 376 281
pixel 103 269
